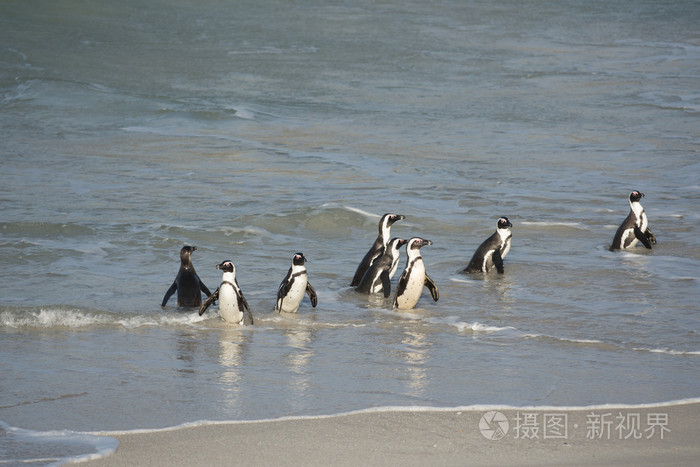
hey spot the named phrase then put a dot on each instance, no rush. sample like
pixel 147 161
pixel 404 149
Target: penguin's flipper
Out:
pixel 386 283
pixel 642 238
pixel 204 288
pixel 312 295
pixel 244 302
pixel 247 309
pixel 432 286
pixel 211 299
pixel 285 285
pixel 169 293
pixel 498 261
pixel 650 236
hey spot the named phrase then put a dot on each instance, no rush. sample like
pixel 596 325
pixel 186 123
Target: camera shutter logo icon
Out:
pixel 493 425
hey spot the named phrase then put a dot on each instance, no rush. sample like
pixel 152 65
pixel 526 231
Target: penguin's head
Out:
pixel 298 259
pixel 185 253
pixel 397 242
pixel 388 219
pixel 635 196
pixel 504 223
pixel 226 266
pixel 187 250
pixel 416 243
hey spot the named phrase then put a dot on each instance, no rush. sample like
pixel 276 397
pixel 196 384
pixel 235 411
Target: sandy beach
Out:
pixel 602 435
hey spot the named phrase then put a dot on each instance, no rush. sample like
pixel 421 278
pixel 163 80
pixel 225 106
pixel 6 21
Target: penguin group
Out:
pixel 376 270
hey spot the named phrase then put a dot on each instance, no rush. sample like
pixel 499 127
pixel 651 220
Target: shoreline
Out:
pixel 650 434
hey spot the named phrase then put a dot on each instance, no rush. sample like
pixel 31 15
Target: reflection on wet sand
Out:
pixel 416 356
pixel 232 352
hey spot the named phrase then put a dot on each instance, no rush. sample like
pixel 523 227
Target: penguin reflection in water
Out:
pixel 187 283
pixel 493 250
pixel 414 278
pixel 233 307
pixel 378 247
pixel 634 228
pixel 293 287
pixel 378 276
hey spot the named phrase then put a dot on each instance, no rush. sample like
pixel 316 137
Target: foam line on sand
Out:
pixel 653 434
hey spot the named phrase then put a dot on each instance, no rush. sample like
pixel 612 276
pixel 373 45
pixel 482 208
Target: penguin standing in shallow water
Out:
pixel 378 247
pixel 414 278
pixel 232 304
pixel 634 228
pixel 378 276
pixel 293 287
pixel 493 250
pixel 187 283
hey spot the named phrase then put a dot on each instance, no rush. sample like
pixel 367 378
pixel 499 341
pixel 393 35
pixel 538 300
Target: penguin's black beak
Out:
pixel 426 242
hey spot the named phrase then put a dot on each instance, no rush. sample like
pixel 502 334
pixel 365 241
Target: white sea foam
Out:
pixel 52 317
pixel 244 113
pixel 667 351
pixel 603 344
pixel 95 446
pixel 409 409
pixel 463 326
pixel 361 212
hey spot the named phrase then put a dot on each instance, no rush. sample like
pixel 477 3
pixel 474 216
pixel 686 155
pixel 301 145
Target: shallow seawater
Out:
pixel 259 129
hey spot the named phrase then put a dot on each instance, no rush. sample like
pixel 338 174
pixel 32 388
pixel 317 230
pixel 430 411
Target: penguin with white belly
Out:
pixel 187 283
pixel 377 248
pixel 634 228
pixel 233 307
pixel 294 286
pixel 493 250
pixel 414 278
pixel 378 276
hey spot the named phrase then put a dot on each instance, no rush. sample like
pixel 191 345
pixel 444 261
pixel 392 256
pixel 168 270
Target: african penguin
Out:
pixel 414 278
pixel 378 247
pixel 293 287
pixel 378 276
pixel 635 227
pixel 493 250
pixel 187 283
pixel 232 304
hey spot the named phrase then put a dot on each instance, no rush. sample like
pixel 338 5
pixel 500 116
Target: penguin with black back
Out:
pixel 634 228
pixel 187 283
pixel 493 250
pixel 378 246
pixel 378 276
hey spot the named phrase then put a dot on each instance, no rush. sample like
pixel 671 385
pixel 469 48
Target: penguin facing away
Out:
pixel 414 278
pixel 634 228
pixel 233 307
pixel 293 287
pixel 493 250
pixel 187 283
pixel 378 246
pixel 378 276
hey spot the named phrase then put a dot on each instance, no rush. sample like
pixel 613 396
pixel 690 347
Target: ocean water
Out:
pixel 254 130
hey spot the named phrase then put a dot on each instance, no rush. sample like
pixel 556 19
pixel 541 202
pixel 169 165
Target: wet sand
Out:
pixel 603 435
